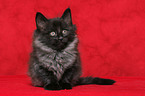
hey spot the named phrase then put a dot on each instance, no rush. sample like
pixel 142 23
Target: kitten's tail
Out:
pixel 91 80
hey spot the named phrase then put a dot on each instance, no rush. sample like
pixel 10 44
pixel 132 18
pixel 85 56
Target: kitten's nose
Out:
pixel 60 38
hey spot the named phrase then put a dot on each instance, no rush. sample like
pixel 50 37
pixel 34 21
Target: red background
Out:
pixel 111 33
pixel 112 43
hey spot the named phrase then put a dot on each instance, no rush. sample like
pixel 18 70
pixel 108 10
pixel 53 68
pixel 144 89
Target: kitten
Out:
pixel 55 61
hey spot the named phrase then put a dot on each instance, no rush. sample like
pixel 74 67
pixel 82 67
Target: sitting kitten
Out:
pixel 55 61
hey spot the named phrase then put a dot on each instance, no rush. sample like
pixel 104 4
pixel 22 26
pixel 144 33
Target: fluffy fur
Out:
pixel 55 61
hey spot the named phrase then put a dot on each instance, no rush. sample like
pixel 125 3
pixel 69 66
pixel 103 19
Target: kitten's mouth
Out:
pixel 59 46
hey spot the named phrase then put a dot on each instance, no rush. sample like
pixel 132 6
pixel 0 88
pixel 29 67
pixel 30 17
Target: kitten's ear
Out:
pixel 40 21
pixel 67 16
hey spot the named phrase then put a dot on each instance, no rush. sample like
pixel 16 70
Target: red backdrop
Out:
pixel 111 33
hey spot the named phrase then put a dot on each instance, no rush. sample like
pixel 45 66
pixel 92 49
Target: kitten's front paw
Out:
pixel 66 86
pixel 52 86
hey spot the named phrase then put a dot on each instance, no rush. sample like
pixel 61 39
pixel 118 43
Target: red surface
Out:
pixel 125 86
pixel 112 43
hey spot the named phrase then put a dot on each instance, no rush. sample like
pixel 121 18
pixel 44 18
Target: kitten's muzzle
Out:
pixel 60 38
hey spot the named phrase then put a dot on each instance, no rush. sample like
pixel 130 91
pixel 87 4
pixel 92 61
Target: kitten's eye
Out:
pixel 64 31
pixel 52 34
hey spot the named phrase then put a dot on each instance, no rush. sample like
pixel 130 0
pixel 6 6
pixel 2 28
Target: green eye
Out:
pixel 52 34
pixel 64 31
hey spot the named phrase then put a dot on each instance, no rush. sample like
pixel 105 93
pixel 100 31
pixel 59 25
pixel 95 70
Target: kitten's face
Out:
pixel 56 33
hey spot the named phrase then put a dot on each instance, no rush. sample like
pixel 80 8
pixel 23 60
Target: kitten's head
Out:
pixel 55 33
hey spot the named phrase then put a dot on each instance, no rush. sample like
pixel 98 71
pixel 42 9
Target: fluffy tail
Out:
pixel 91 80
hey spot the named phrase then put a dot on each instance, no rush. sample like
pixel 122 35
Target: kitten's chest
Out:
pixel 54 61
pixel 58 62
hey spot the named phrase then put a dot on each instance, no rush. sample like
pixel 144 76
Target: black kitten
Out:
pixel 55 61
